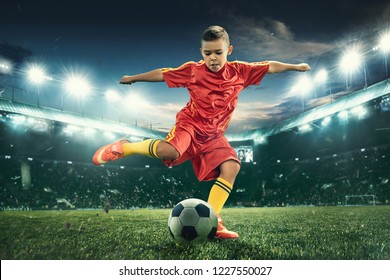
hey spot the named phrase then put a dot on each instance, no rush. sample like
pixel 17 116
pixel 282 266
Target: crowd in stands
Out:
pixel 318 181
pixel 88 186
pixel 326 180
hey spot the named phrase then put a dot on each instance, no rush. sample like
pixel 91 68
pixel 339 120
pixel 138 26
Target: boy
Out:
pixel 213 85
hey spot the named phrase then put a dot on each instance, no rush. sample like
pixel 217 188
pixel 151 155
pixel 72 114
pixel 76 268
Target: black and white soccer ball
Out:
pixel 192 220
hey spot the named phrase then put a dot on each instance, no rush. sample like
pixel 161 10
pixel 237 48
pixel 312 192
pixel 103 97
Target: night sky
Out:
pixel 105 40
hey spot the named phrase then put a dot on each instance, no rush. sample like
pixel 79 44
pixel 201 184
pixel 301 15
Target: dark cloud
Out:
pixel 273 40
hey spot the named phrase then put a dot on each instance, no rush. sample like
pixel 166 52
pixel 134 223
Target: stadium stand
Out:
pixel 343 150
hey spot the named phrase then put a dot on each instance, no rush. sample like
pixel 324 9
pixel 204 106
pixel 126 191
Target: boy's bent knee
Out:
pixel 230 168
pixel 167 151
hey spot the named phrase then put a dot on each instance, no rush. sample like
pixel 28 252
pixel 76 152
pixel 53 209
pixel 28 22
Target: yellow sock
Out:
pixel 219 193
pixel 146 148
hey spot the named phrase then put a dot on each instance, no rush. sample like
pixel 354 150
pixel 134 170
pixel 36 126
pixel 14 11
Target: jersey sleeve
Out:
pixel 180 76
pixel 254 72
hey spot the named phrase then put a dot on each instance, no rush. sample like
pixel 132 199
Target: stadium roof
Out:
pixel 77 120
pixel 354 99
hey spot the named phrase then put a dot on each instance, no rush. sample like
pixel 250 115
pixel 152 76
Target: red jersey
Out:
pixel 213 96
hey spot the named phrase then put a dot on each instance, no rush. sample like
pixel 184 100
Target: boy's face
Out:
pixel 215 54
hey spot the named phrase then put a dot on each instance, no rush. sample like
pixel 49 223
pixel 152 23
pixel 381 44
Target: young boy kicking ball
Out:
pixel 214 84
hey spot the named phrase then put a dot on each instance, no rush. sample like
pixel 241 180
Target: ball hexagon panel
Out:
pixel 202 210
pixel 189 217
pixel 175 226
pixel 189 233
pixel 191 202
pixel 203 226
pixel 177 210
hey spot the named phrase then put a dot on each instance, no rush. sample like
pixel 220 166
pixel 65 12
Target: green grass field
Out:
pixel 296 233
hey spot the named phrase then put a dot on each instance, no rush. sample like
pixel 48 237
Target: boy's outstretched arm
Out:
pixel 152 76
pixel 277 67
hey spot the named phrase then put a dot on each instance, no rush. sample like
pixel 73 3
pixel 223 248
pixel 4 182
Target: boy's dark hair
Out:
pixel 215 32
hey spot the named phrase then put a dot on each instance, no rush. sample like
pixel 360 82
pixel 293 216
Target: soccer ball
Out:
pixel 192 220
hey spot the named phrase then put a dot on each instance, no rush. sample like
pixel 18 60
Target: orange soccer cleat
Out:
pixel 109 152
pixel 223 232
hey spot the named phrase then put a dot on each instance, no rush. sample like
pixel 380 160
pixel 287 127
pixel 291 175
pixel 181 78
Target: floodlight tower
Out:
pixel 321 77
pixel 36 75
pixel 350 62
pixel 384 45
pixel 303 86
pixel 78 86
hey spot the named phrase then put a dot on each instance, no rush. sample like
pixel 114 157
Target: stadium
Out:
pixel 313 186
pixel 329 162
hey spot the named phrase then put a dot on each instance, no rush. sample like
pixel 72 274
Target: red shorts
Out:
pixel 206 154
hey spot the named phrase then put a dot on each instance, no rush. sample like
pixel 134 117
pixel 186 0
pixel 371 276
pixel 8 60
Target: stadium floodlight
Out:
pixel 136 102
pixel 305 128
pixel 112 95
pixel 18 119
pixel 70 130
pixel 351 61
pixel 304 85
pixel 36 74
pixel 321 76
pixel 359 111
pixel 343 115
pixel 260 139
pixel 5 66
pixel 384 43
pixel 77 85
pixel 326 121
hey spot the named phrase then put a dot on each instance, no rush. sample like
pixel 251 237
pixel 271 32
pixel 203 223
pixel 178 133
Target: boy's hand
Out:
pixel 126 80
pixel 303 67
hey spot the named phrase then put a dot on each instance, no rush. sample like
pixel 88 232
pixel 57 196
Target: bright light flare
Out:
pixel 321 76
pixel 351 61
pixel 260 139
pixel 136 101
pixel 18 119
pixel 109 135
pixel 359 111
pixel 36 74
pixel 69 130
pixel 77 85
pixel 112 95
pixel 304 85
pixel 5 66
pixel 305 128
pixel 326 121
pixel 343 115
pixel 384 42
